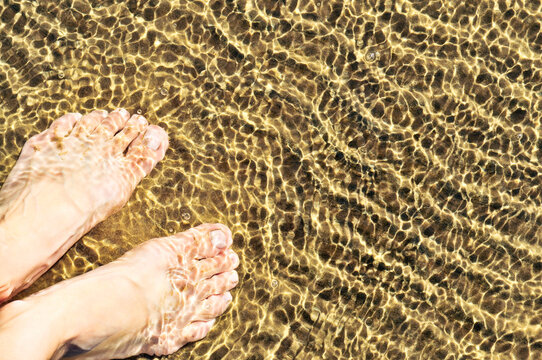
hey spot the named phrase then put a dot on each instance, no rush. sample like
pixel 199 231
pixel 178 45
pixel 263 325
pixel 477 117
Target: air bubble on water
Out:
pixel 170 230
pixel 185 215
pixel 139 111
pixel 163 91
pixel 370 56
pixel 274 283
pixel 60 75
pixel 519 136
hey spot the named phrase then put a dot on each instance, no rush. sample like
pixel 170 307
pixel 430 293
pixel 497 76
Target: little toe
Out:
pixel 197 330
pixel 86 125
pixel 133 128
pixel 62 126
pixel 218 284
pixel 211 239
pixel 226 261
pixel 147 150
pixel 112 123
pixel 213 306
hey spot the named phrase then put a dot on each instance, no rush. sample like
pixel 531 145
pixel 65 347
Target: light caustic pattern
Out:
pixel 377 161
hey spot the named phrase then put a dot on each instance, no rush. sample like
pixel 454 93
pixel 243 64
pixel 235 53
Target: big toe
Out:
pixel 146 150
pixel 208 239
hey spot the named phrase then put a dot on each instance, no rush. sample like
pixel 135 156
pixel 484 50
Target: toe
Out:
pixel 133 128
pixel 88 123
pixel 115 121
pixel 218 284
pixel 197 330
pixel 146 150
pixel 226 261
pixel 213 306
pixel 211 239
pixel 62 126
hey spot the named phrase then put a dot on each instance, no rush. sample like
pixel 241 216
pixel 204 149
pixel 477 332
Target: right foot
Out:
pixel 154 299
pixel 66 180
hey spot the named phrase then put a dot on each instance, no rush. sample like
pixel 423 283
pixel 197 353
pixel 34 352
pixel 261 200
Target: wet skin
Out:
pixel 154 299
pixel 67 179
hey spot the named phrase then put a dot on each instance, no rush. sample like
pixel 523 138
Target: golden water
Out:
pixel 377 161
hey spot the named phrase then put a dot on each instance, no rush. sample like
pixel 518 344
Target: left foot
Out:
pixel 66 180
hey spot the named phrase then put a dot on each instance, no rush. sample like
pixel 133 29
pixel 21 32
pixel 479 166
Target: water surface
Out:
pixel 377 161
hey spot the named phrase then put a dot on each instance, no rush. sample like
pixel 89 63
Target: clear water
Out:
pixel 377 161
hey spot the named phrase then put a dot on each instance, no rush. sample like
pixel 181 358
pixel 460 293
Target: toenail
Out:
pixel 235 278
pixel 102 113
pixel 218 239
pixel 151 139
pixel 233 257
pixel 228 296
pixel 141 120
pixel 123 112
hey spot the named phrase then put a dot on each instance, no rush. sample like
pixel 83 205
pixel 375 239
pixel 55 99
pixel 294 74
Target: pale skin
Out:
pixel 156 298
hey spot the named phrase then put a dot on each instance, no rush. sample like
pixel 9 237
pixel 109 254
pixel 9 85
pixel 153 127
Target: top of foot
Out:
pixel 67 179
pixel 156 298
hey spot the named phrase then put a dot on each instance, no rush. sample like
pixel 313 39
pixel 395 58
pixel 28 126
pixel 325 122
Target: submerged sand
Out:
pixel 377 161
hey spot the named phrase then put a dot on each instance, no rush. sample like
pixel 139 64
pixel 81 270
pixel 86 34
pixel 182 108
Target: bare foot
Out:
pixel 66 180
pixel 154 299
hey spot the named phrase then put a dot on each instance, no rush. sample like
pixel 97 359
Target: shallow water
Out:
pixel 377 161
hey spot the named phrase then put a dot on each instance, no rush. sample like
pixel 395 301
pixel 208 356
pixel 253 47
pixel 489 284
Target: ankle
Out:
pixel 89 297
pixel 29 331
pixel 25 254
pixel 18 269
